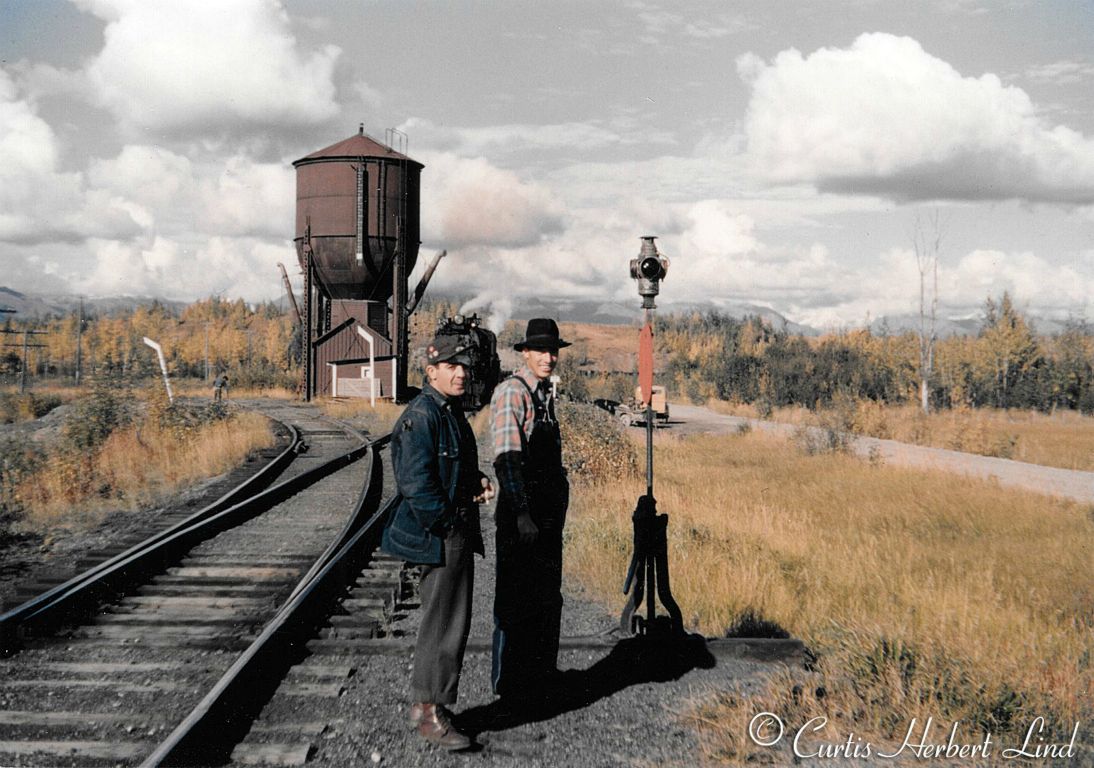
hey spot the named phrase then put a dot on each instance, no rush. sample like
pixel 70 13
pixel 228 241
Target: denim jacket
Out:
pixel 426 448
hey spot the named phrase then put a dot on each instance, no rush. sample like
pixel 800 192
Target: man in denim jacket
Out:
pixel 436 524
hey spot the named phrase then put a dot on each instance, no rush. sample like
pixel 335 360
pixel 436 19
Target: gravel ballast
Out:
pixel 617 709
pixel 611 712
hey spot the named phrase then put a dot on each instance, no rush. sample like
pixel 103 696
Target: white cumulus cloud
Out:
pixel 1024 275
pixel 27 143
pixel 127 268
pixel 249 198
pixel 469 201
pixel 38 202
pixel 155 176
pixel 885 117
pixel 232 196
pixel 160 266
pixel 512 138
pixel 716 228
pixel 889 287
pixel 226 66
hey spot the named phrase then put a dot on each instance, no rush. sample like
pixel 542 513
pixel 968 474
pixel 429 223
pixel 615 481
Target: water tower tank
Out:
pixel 355 196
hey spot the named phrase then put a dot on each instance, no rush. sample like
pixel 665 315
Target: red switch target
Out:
pixel 645 363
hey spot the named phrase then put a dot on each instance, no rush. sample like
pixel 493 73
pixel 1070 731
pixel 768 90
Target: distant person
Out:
pixel 533 496
pixel 436 524
pixel 220 386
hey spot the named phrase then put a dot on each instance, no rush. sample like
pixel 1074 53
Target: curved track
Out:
pixel 212 616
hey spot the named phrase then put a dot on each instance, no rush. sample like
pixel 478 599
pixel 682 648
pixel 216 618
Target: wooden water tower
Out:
pixel 357 238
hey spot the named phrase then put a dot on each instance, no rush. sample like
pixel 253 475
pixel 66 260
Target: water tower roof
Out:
pixel 358 145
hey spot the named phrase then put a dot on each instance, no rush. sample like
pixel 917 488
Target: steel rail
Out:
pixel 11 620
pixel 69 601
pixel 224 716
pixel 356 520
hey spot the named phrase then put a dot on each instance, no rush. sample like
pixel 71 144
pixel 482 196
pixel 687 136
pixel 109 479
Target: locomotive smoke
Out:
pixel 500 310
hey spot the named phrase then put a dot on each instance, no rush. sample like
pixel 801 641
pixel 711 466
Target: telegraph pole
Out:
pixel 26 347
pixel 79 339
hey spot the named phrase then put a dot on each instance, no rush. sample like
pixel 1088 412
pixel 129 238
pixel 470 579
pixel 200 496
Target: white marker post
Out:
pixel 163 367
pixel 371 365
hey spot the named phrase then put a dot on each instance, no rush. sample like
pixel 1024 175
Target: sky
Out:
pixel 786 155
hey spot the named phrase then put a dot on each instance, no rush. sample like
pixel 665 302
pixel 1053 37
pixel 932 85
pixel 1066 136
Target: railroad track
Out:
pixel 209 622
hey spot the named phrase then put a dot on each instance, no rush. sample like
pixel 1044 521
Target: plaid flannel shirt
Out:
pixel 513 412
pixel 514 417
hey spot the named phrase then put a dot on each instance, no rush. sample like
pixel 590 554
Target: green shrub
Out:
pixel 178 418
pixel 16 407
pixel 611 386
pixel 96 416
pixel 833 430
pixel 593 444
pixel 10 408
pixel 19 458
pixel 262 375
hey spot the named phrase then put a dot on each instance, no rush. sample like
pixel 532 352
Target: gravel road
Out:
pixel 1065 483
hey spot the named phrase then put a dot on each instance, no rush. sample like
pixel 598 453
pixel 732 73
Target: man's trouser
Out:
pixel 527 610
pixel 445 591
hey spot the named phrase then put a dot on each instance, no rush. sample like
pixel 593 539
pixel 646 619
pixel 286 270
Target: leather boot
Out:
pixel 414 715
pixel 436 727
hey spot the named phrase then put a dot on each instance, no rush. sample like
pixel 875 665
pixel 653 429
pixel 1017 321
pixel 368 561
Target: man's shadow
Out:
pixel 633 661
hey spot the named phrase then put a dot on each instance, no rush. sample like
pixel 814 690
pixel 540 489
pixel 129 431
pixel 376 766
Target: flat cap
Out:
pixel 448 349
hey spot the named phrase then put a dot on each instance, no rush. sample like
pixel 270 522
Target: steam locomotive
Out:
pixel 485 363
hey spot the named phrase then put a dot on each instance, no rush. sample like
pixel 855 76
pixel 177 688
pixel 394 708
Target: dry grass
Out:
pixel 923 594
pixel 1064 439
pixel 136 467
pixel 481 424
pixel 16 406
pixel 204 389
pixel 376 420
pixel 272 393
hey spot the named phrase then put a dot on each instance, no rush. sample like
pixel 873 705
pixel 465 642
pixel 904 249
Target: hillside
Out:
pixel 42 306
pixel 596 347
pixel 602 348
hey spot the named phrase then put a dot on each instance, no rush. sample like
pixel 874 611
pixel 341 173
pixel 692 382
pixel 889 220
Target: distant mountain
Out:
pixel 25 305
pixel 967 325
pixel 39 307
pixel 741 310
pixel 575 311
pixel 617 313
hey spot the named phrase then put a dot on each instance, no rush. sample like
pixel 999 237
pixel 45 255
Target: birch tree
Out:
pixel 1010 350
pixel 927 241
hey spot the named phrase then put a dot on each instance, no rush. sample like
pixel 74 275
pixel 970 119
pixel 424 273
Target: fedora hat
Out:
pixel 542 333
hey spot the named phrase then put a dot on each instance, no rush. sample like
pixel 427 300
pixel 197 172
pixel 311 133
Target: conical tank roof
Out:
pixel 358 145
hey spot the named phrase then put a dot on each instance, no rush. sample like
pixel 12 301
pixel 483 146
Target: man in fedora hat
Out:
pixel 531 511
pixel 436 524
